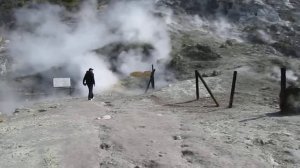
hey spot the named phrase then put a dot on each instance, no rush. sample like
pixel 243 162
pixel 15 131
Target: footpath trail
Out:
pixel 76 133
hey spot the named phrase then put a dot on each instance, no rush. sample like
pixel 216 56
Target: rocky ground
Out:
pixel 164 128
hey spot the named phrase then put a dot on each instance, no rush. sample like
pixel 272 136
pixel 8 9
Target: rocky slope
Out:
pixel 272 23
pixel 265 22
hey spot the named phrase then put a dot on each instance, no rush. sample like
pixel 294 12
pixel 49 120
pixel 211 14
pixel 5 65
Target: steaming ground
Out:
pixel 164 128
pixel 47 36
pixel 160 129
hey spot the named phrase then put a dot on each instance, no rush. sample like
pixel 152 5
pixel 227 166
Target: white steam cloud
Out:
pixel 48 36
pixel 219 27
pixel 290 75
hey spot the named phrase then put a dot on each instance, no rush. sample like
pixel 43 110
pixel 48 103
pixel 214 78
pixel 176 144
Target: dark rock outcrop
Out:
pixel 113 50
pixel 199 52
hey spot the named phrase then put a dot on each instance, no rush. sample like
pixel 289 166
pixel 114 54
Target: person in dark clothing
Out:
pixel 89 80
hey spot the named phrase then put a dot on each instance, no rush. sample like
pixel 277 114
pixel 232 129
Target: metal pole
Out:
pixel 197 84
pixel 232 89
pixel 207 88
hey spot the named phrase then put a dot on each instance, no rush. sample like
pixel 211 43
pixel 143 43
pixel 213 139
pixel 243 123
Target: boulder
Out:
pixel 290 101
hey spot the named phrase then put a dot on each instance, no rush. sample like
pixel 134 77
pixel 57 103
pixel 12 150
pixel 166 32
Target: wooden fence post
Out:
pixel 197 84
pixel 151 81
pixel 283 87
pixel 232 89
pixel 207 88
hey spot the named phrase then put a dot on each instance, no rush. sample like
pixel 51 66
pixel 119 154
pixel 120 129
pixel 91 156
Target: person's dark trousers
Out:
pixel 91 95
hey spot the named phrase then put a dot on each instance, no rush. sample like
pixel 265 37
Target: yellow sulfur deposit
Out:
pixel 139 74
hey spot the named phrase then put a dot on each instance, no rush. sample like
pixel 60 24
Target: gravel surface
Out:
pixel 159 129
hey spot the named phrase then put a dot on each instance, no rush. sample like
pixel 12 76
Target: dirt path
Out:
pixel 141 134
